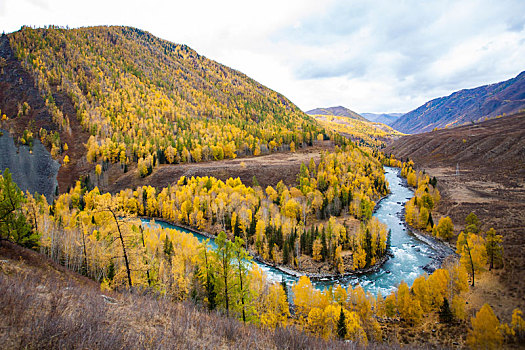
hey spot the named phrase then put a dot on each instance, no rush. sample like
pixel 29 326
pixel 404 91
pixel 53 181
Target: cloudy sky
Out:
pixel 369 56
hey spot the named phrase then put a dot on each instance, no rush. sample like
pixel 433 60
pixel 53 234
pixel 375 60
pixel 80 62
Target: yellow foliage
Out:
pixel 458 307
pixel 180 104
pixel 317 250
pixel 485 332
pixel 517 323
pixel 359 258
pixel 275 311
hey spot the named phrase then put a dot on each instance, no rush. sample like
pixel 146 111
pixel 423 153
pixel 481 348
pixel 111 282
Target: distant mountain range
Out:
pixel 464 106
pixel 339 111
pixel 385 118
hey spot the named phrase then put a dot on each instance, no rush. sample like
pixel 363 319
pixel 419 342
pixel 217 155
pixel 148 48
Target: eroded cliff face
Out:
pixel 34 170
pixel 17 86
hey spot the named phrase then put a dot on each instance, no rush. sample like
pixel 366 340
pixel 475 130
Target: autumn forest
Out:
pixel 117 101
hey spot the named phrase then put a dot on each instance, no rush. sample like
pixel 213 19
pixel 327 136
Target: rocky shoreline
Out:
pixel 440 250
pixel 325 276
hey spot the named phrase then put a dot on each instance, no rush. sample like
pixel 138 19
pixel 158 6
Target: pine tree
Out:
pixel 111 271
pixel 286 253
pixel 13 224
pixel 445 314
pixel 341 325
pixel 324 249
pixel 430 220
pixel 253 225
pixel 237 229
pixel 285 287
pixel 494 248
pixel 472 223
pixel 168 246
pixel 368 247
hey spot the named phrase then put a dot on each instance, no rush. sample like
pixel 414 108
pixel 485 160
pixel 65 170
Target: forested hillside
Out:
pixel 338 111
pixel 362 132
pixel 147 100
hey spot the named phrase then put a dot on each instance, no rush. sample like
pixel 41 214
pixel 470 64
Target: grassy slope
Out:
pixel 45 306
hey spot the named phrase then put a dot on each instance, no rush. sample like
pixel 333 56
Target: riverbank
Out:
pixel 294 272
pixel 440 250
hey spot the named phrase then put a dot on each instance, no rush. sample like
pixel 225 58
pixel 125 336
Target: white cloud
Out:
pixel 371 56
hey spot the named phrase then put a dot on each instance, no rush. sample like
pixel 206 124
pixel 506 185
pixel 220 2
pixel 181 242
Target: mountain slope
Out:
pixel 144 98
pixel 363 133
pixel 469 105
pixel 385 118
pixel 338 111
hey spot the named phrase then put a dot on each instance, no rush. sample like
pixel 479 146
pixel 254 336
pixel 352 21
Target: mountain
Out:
pixel 363 133
pixel 135 99
pixel 466 106
pixel 338 111
pixel 385 118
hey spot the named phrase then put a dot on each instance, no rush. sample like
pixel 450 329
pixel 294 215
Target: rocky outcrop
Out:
pixel 34 170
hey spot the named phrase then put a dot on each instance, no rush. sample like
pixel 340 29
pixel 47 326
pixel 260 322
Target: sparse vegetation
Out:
pixel 73 313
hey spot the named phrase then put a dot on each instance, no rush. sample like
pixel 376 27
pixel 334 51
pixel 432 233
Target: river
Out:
pixel 409 257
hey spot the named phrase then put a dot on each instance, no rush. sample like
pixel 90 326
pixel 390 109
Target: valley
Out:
pixel 273 227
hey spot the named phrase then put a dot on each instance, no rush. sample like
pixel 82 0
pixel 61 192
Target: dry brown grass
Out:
pixel 44 307
pixel 268 169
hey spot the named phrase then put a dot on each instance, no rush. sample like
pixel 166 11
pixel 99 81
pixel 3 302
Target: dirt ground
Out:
pixel 268 170
pixel 480 168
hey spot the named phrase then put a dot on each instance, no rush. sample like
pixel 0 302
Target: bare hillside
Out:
pixel 465 106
